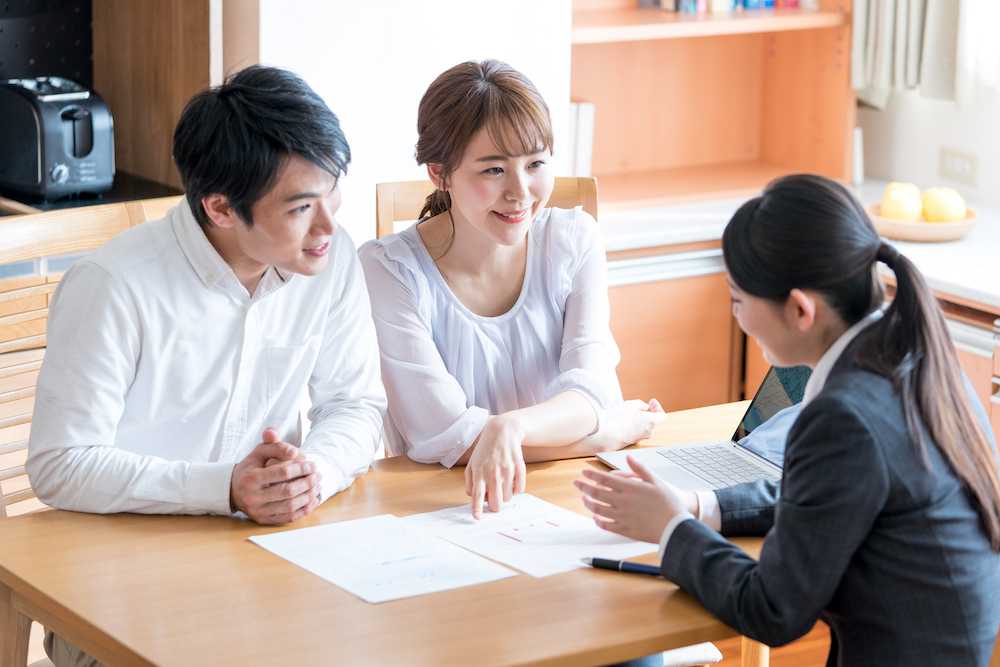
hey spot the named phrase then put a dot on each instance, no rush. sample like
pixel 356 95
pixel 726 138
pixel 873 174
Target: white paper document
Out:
pixel 381 558
pixel 530 534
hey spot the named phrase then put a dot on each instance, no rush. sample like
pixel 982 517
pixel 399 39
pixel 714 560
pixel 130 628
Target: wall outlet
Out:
pixel 958 166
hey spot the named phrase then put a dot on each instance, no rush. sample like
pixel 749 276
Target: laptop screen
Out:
pixel 772 412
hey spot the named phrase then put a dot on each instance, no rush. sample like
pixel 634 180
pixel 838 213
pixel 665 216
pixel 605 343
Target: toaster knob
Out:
pixel 59 173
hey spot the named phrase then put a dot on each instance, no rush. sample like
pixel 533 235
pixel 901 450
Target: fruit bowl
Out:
pixel 904 230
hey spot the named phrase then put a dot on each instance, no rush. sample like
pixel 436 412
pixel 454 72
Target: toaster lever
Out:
pixel 78 131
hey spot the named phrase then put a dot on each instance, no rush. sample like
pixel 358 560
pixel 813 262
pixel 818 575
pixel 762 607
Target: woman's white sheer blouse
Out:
pixel 446 369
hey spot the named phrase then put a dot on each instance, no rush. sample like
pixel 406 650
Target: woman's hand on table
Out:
pixel 635 504
pixel 626 424
pixel 496 470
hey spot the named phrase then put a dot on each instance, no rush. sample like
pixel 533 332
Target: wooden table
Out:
pixel 171 590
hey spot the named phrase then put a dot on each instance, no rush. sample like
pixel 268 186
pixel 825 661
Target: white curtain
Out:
pixel 948 49
pixel 978 76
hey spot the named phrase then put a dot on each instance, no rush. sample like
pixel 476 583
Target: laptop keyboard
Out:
pixel 717 464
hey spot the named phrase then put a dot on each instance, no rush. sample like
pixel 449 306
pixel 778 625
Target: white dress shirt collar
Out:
pixel 209 265
pixel 829 358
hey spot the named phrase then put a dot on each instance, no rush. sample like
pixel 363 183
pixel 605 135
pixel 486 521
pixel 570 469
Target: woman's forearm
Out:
pixel 562 420
pixel 554 429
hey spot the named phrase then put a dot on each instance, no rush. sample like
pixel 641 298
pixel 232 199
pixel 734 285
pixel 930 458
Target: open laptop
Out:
pixel 755 451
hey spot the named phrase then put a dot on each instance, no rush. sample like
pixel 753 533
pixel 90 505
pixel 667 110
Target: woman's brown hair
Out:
pixel 807 231
pixel 467 98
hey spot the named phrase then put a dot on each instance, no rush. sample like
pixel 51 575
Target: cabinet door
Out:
pixel 995 412
pixel 979 367
pixel 755 369
pixel 675 338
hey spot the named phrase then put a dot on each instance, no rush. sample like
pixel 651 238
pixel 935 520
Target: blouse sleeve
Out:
pixel 589 353
pixel 426 403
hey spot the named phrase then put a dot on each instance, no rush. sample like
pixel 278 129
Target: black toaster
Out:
pixel 56 138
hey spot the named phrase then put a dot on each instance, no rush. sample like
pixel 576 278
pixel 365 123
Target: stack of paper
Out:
pixel 386 558
pixel 530 534
pixel 381 558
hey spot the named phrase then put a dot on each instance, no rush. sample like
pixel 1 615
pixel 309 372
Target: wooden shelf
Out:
pixel 664 187
pixel 633 24
pixel 14 207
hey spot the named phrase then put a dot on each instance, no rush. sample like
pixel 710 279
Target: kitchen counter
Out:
pixel 968 269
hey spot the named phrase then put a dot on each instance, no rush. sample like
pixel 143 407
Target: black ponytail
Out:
pixel 809 232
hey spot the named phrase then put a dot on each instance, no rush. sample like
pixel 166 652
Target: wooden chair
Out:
pixel 24 309
pixel 403 200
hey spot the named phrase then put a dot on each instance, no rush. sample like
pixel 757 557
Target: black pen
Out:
pixel 622 566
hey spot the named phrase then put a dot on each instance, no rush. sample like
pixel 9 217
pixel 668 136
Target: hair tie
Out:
pixel 887 254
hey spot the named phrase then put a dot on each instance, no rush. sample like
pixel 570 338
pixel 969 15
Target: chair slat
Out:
pixel 21 344
pixel 63 232
pixel 12 447
pixel 17 394
pixel 11 377
pixel 18 496
pixel 20 282
pixel 15 420
pixel 11 473
pixel 29 315
pixel 24 329
pixel 14 359
pixel 41 290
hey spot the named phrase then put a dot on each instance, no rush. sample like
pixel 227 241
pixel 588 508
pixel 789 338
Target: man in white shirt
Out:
pixel 178 354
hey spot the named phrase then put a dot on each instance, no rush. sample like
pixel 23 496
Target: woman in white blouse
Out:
pixel 492 311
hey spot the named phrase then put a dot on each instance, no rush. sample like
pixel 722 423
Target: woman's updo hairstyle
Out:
pixel 468 97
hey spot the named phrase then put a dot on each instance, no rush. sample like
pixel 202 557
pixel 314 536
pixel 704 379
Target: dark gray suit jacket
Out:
pixel 886 550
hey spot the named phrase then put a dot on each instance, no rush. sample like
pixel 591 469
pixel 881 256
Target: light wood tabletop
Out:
pixel 172 590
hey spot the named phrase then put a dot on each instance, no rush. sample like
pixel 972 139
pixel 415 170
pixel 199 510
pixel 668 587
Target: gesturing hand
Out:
pixel 637 505
pixel 496 468
pixel 275 483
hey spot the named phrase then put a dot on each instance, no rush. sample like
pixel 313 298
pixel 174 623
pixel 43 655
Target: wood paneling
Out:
pixel 808 104
pixel 149 59
pixel 671 103
pixel 675 339
pixel 240 34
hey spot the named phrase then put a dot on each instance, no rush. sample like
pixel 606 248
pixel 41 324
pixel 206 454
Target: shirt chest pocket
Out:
pixel 287 367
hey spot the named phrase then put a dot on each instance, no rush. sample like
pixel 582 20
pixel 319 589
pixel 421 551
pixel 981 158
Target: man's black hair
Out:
pixel 233 139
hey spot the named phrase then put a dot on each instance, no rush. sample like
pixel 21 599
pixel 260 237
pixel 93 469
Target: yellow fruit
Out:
pixel 901 201
pixel 943 205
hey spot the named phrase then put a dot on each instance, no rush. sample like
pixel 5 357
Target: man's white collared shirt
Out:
pixel 162 371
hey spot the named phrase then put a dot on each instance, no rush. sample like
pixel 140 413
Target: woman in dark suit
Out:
pixel 886 523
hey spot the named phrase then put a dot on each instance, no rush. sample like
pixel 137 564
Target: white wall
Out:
pixel 372 61
pixel 904 141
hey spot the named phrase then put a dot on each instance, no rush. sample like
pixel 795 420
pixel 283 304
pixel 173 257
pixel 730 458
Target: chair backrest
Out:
pixel 403 200
pixel 24 310
pixel 18 374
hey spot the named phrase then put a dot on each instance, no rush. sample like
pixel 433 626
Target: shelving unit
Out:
pixel 635 24
pixel 691 107
pixel 694 108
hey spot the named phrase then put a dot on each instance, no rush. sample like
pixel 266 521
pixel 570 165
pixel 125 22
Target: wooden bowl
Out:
pixel 902 230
